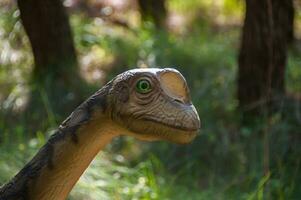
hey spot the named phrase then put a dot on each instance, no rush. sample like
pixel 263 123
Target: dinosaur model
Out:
pixel 149 104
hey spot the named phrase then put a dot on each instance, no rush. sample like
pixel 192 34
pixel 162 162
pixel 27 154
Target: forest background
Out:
pixel 241 59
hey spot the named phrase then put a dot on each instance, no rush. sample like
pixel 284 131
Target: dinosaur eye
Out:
pixel 143 86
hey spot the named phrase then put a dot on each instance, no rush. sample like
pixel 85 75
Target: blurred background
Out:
pixel 242 61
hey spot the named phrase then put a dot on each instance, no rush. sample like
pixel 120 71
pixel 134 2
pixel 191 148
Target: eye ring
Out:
pixel 143 86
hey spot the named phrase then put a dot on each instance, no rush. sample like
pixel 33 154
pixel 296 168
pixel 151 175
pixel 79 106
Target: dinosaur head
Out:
pixel 154 104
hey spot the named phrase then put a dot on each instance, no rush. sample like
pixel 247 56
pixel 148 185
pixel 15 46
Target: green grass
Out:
pixel 224 162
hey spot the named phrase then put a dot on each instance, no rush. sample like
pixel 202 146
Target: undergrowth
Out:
pixel 226 159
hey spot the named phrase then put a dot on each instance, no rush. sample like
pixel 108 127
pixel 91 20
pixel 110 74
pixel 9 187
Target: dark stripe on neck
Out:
pixel 17 188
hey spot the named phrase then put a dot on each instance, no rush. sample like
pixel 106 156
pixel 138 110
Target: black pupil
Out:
pixel 144 85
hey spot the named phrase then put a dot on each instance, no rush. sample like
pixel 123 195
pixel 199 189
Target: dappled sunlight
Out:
pixel 202 39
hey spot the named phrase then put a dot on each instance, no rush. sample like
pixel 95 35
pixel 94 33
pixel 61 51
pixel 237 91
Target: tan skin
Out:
pixel 149 104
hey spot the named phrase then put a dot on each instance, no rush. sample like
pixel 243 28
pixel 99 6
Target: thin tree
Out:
pixel 153 10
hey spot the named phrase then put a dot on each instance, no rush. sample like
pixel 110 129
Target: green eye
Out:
pixel 143 86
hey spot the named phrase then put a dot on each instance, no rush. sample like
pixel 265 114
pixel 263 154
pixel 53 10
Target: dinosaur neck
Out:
pixel 69 161
pixel 55 169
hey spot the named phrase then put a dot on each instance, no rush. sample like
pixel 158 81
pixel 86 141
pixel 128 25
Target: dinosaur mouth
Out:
pixel 174 126
pixel 171 132
pixel 151 129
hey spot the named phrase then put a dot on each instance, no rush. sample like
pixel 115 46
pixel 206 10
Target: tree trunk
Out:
pixel 47 26
pixel 263 53
pixel 153 10
pixel 291 17
pixel 56 86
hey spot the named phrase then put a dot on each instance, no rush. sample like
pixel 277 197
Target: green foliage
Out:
pixel 294 73
pixel 119 181
pixel 15 60
pixel 226 159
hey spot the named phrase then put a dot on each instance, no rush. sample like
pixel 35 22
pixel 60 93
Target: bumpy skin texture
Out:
pixel 163 112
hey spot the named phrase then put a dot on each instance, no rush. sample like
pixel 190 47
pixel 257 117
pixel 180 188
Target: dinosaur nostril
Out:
pixel 179 101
